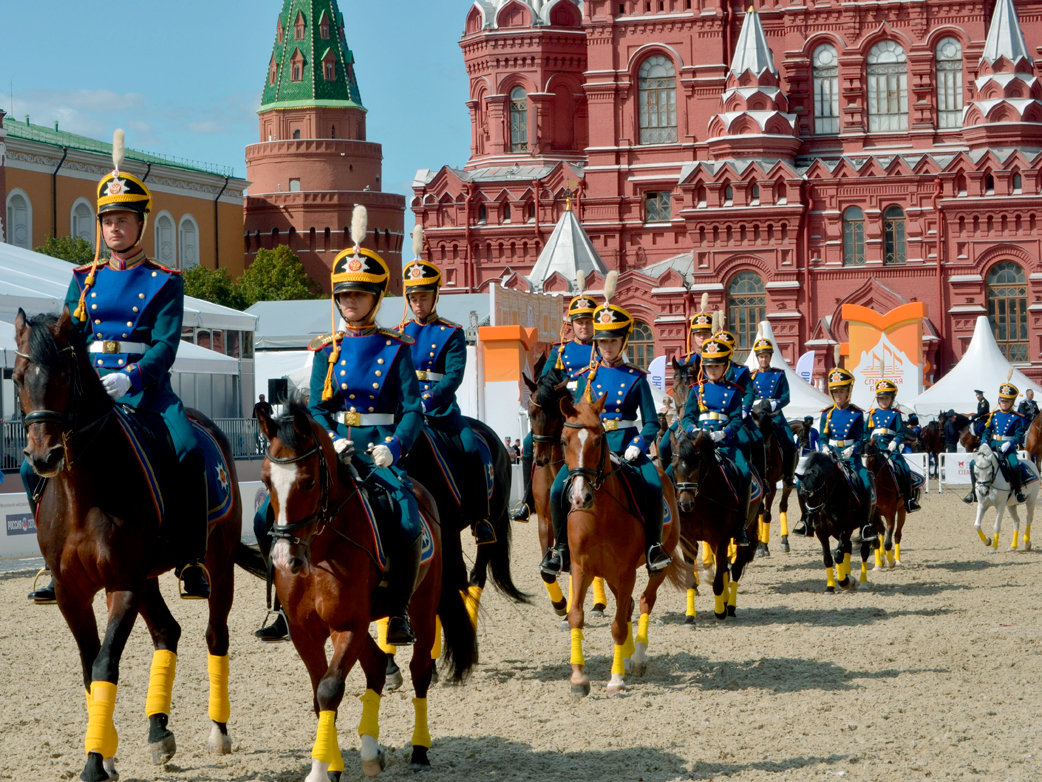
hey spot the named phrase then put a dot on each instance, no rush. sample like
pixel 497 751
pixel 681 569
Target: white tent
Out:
pixel 804 399
pixel 982 366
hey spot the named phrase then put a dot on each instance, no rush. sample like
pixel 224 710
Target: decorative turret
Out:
pixel 568 252
pixel 755 121
pixel 490 15
pixel 1006 109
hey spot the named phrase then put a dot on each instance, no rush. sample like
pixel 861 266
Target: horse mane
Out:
pixel 688 447
pixel 288 433
pixel 547 389
pixel 44 351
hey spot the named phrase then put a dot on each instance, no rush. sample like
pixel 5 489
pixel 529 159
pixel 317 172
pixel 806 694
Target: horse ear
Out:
pixel 64 321
pixel 20 321
pixel 540 363
pixel 532 385
pixel 567 407
pixel 599 404
pixel 301 422
pixel 267 424
pixel 676 364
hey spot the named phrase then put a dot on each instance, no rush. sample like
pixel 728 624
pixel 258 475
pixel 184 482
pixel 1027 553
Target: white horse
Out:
pixel 993 491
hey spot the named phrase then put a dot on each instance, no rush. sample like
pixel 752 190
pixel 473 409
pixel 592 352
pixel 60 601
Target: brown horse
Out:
pixel 101 527
pixel 931 442
pixel 777 471
pixel 606 539
pixel 1033 440
pixel 709 512
pixel 327 573
pixel 890 508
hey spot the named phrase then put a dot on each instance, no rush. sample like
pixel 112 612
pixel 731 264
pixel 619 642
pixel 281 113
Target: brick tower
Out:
pixel 313 162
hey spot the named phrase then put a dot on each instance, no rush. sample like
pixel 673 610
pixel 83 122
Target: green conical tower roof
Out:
pixel 310 63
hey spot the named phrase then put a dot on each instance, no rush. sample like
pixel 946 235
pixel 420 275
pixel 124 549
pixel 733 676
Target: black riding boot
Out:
pixel 911 495
pixel 555 560
pixel 656 557
pixel 1016 482
pixel 972 496
pixel 400 585
pixel 195 504
pixel 277 630
pixel 525 508
pixel 44 595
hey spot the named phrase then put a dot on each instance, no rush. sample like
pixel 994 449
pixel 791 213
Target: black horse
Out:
pixel 777 469
pixel 834 509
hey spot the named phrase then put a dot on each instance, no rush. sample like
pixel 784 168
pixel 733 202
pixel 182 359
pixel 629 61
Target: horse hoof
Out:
pixel 419 756
pixel 762 550
pixel 830 589
pixel 689 619
pixel 220 742
pixel 597 613
pixel 394 675
pixel 163 750
pixel 637 668
pixel 720 616
pixel 785 544
pixel 1027 547
pixel 580 690
pixel 374 766
pixel 564 625
pixel 95 770
pixel 730 611
pixel 561 607
pixel 616 689
pixel 333 776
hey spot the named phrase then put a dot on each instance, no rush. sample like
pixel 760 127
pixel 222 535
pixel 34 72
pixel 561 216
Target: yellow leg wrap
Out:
pixel 381 636
pixel 1014 544
pixel 599 595
pixel 995 540
pixel 642 629
pixel 618 664
pixel 879 556
pixel 720 603
pixel 982 536
pixel 369 725
pixel 577 647
pixel 436 648
pixel 846 565
pixel 897 548
pixel 732 551
pixel 326 748
pixel 863 578
pixel 217 667
pixel 765 533
pixel 690 610
pixel 472 599
pixel 421 734
pixel 101 733
pixel 783 519
pixel 1027 534
pixel 569 592
pixel 830 578
pixel 160 682
pixel 893 555
pixel 337 763
pixel 759 528
pixel 553 589
pixel 707 554
pixel 628 648
pixel 732 594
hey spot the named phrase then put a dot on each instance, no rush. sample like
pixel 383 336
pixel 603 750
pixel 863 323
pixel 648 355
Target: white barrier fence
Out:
pixel 955 468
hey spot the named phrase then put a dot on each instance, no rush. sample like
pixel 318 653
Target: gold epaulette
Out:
pixel 86 266
pixel 405 339
pixel 628 365
pixel 322 340
pixel 445 322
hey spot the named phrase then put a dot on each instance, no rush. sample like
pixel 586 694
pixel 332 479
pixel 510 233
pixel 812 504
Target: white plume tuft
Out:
pixel 118 146
pixel 835 355
pixel 718 321
pixel 417 240
pixel 580 280
pixel 705 302
pixel 1009 375
pixel 359 224
pixel 610 282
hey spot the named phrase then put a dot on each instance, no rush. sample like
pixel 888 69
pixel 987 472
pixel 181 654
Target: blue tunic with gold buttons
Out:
pixel 376 401
pixel 842 428
pixel 885 427
pixel 571 357
pixel 1001 428
pixel 718 407
pixel 748 435
pixel 771 383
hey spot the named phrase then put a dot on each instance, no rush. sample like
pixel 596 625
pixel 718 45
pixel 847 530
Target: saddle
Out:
pixel 731 476
pixel 449 461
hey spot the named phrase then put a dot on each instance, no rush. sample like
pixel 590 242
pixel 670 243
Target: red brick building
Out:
pixel 313 162
pixel 786 161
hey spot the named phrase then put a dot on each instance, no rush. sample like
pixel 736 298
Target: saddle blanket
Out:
pixel 448 463
pixel 634 483
pixel 730 471
pixel 385 508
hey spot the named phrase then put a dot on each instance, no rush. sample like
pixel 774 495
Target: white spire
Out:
pixel 752 52
pixel 567 251
pixel 1005 38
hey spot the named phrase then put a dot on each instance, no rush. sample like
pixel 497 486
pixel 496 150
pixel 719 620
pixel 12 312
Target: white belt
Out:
pixel 1003 439
pixel 612 424
pixel 364 419
pixel 423 374
pixel 840 443
pixel 115 346
pixel 712 417
pixel 879 432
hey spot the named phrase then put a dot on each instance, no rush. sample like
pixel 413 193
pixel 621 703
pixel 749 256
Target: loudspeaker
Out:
pixel 278 390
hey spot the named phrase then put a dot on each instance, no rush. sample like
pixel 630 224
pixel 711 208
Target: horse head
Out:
pixel 585 446
pixel 684 376
pixel 816 482
pixel 692 458
pixel 300 468
pixel 544 413
pixel 761 412
pixel 59 394
pixel 985 465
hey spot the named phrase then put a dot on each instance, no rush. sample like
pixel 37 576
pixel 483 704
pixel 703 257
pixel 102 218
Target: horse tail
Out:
pixel 677 571
pixel 461 640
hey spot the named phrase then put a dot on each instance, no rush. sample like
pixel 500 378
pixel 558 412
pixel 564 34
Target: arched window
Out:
pixel 826 90
pixel 746 307
pixel 518 120
pixel 895 248
pixel 188 243
pixel 887 87
pixel 853 237
pixel 949 83
pixel 166 240
pixel 641 345
pixel 1007 295
pixel 82 220
pixel 657 96
pixel 19 220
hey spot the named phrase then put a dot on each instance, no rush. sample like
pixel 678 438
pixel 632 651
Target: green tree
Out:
pixel 276 275
pixel 213 285
pixel 68 248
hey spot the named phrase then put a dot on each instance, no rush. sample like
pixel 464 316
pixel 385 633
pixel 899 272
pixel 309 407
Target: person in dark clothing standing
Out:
pixel 1029 407
pixel 981 417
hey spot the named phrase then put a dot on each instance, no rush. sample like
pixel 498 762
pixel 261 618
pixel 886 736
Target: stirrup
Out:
pixel 484 532
pixel 268 632
pixel 553 562
pixel 399 632
pixel 657 559
pixel 521 512
pixel 44 595
pixel 182 592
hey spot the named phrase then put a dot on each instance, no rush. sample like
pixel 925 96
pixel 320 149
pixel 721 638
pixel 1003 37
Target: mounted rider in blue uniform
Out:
pixel 886 429
pixel 749 438
pixel 1004 431
pixel 843 430
pixel 700 328
pixel 771 384
pixel 627 393
pixel 130 310
pixel 569 357
pixel 715 405
pixel 439 354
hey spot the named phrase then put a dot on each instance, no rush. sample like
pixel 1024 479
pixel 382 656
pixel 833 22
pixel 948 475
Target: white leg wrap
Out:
pixel 319 771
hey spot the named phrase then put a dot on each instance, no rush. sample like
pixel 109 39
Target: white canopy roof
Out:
pixel 804 399
pixel 982 366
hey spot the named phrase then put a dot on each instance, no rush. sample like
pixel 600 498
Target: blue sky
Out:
pixel 184 78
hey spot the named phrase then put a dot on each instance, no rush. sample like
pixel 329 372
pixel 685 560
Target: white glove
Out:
pixel 116 384
pixel 632 453
pixel 382 456
pixel 1006 446
pixel 774 405
pixel 717 436
pixel 423 405
pixel 341 445
pixel 847 452
pixel 893 446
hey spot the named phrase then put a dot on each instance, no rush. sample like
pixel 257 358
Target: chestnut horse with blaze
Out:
pixel 606 539
pixel 101 526
pixel 327 574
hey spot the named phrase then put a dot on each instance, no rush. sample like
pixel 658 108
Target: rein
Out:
pixel 595 477
pixel 325 514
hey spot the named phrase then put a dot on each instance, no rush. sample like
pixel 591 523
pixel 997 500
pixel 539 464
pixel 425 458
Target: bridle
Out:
pixel 595 477
pixel 325 512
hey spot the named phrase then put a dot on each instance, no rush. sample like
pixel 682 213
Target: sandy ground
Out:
pixel 932 671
